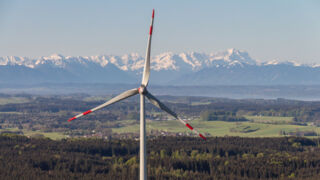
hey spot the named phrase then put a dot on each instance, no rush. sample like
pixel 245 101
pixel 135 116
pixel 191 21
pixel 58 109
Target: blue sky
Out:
pixel 282 30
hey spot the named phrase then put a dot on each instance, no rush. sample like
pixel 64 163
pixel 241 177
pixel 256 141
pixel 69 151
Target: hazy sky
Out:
pixel 279 29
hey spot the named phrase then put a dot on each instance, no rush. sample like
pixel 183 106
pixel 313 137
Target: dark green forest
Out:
pixel 168 158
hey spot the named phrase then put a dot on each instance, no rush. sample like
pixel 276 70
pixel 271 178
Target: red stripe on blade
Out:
pixel 150 32
pixel 72 119
pixel 87 112
pixel 204 138
pixel 190 127
pixel 153 13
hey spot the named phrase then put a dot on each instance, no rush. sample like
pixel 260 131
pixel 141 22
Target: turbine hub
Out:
pixel 142 89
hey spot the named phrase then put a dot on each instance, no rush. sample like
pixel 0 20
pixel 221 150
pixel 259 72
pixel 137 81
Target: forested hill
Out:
pixel 168 158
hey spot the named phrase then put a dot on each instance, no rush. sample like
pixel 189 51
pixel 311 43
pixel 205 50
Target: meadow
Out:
pixel 260 127
pixel 40 134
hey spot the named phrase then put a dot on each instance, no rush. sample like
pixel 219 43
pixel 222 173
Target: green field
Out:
pixel 200 103
pixel 13 100
pixel 11 112
pixel 221 128
pixel 51 135
pixel 96 98
pixel 270 119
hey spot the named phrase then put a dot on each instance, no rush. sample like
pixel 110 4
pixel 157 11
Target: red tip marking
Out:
pixel 72 119
pixel 190 127
pixel 153 13
pixel 150 32
pixel 87 112
pixel 204 138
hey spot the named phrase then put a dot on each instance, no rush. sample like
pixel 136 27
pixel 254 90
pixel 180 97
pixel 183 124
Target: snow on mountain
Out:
pixel 290 63
pixel 272 62
pixel 134 62
pixel 227 67
pixel 14 60
pixel 316 65
pixel 232 56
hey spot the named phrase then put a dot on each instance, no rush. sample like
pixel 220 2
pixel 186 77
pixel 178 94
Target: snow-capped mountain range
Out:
pixel 230 67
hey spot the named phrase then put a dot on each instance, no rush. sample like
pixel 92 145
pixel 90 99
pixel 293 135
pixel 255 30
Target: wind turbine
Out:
pixel 142 90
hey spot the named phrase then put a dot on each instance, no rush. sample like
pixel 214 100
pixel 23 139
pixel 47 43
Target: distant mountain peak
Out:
pixel 235 56
pixel 272 62
pixel 232 50
pixel 290 63
pixel 54 56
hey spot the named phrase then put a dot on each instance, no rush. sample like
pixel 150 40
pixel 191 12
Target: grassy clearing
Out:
pixel 126 129
pixel 12 100
pixel 11 112
pixel 270 119
pixel 219 128
pixel 9 129
pixel 244 128
pixel 96 98
pixel 51 135
pixel 200 103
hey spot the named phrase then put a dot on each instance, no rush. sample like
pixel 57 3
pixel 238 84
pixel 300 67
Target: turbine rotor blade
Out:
pixel 160 105
pixel 146 69
pixel 120 97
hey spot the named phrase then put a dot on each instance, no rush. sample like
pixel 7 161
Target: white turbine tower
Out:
pixel 142 90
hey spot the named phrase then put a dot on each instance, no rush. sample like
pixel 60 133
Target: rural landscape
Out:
pixel 47 116
pixel 159 90
pixel 246 139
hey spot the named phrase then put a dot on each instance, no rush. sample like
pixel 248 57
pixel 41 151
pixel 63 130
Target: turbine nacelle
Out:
pixel 142 89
